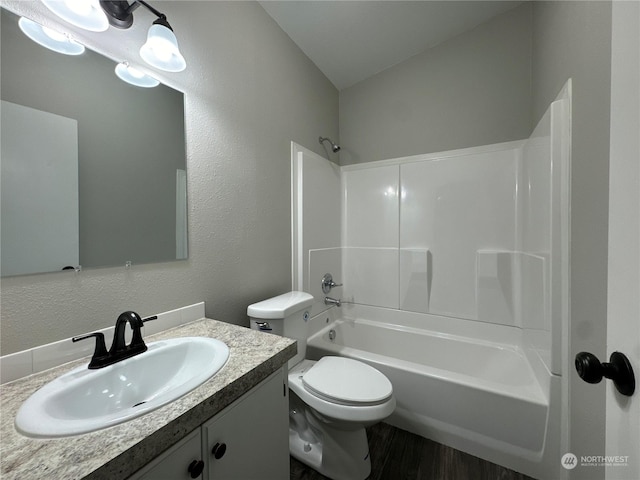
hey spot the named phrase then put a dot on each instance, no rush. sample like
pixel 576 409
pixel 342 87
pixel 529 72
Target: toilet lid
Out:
pixel 346 381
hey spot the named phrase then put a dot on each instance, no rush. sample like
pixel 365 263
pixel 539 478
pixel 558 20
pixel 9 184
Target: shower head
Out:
pixel 334 147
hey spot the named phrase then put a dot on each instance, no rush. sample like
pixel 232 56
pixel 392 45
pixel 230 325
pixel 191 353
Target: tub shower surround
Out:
pixel 464 253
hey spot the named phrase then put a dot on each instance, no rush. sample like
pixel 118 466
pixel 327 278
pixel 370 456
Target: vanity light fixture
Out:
pixel 161 48
pixel 132 75
pixel 49 38
pixel 85 14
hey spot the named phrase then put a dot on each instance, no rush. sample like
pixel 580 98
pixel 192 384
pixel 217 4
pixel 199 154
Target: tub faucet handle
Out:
pixel 328 283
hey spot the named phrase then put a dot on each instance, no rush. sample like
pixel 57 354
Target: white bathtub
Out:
pixel 479 396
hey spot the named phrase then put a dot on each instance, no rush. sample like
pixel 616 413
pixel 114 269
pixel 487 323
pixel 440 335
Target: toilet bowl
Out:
pixel 331 400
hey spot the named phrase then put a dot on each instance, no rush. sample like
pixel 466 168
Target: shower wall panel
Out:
pixel 316 221
pixel 456 206
pixel 437 211
pixel 370 206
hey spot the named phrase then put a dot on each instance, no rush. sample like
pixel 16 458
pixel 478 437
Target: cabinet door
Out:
pixel 251 436
pixel 177 463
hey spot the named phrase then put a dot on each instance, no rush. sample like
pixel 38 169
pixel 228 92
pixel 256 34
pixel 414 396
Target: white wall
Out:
pixel 623 311
pixel 471 90
pixel 573 40
pixel 248 91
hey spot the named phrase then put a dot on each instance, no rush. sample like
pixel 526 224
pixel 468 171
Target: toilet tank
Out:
pixel 284 315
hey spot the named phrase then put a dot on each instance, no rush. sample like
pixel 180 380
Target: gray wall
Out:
pixel 573 39
pixel 471 90
pixel 248 93
pixel 130 143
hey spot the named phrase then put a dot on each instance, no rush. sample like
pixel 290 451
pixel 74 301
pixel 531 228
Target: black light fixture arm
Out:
pixel 120 12
pixel 162 18
pixel 150 8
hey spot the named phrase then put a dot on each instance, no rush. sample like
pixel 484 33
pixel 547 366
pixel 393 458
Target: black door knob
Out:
pixel 196 468
pixel 618 369
pixel 218 450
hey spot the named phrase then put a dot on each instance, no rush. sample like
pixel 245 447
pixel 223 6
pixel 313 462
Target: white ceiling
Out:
pixel 353 40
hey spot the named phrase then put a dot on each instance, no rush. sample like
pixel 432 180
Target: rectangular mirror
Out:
pixel 93 169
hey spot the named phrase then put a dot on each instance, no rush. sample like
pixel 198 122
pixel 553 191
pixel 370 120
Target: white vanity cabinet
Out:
pixel 177 463
pixel 247 440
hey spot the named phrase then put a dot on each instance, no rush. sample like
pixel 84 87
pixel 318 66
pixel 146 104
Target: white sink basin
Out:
pixel 84 400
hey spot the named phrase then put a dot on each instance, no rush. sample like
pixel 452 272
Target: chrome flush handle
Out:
pixel 264 326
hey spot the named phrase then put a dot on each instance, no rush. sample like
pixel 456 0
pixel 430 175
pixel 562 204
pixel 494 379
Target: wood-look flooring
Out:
pixel 399 455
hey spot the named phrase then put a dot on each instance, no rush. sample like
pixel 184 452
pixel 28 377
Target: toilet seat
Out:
pixel 337 410
pixel 347 382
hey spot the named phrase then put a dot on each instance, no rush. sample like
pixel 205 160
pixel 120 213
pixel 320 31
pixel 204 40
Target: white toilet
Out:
pixel 331 401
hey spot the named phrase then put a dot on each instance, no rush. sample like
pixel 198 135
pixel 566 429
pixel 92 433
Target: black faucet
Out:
pixel 119 349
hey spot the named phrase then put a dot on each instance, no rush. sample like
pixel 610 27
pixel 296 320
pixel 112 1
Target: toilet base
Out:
pixel 337 453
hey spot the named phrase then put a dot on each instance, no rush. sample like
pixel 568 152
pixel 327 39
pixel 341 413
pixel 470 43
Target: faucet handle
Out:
pixel 100 353
pixel 137 342
pixel 328 283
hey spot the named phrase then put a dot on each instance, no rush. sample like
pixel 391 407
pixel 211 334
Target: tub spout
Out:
pixel 332 301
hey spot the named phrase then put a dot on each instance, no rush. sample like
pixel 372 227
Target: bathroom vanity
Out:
pixel 245 441
pixel 241 411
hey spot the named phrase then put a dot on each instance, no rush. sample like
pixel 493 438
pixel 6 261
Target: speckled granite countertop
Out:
pixel 117 452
